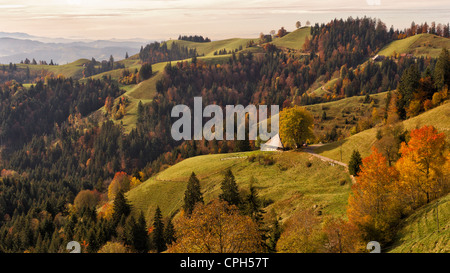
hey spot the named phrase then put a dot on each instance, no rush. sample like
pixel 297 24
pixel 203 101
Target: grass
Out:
pixel 438 117
pixel 146 90
pixel 289 183
pixel 294 39
pixel 208 49
pixel 323 89
pixel 343 114
pixel 70 70
pixel 419 233
pixel 419 45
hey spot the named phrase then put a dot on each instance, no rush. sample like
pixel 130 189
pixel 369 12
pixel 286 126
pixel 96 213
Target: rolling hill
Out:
pixel 70 70
pixel 343 114
pixel 294 39
pixel 439 117
pixel 418 45
pixel 287 185
pixel 208 49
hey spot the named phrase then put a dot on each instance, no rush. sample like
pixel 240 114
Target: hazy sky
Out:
pixel 217 19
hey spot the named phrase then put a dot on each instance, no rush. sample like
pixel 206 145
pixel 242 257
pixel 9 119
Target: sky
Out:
pixel 217 19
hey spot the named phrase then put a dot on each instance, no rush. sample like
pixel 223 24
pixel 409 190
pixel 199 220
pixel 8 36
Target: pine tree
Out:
pixel 92 241
pixel 230 191
pixel 121 207
pixel 193 194
pixel 408 84
pixel 169 233
pixel 253 206
pixel 140 235
pixel 128 232
pixel 354 165
pixel 158 232
pixel 140 112
pixel 442 70
pixel 145 71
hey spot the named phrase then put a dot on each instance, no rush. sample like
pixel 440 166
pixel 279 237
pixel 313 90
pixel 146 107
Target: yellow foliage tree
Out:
pixel 114 247
pixel 302 234
pixel 296 126
pixel 134 182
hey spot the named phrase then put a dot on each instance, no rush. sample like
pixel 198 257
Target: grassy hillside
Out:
pixel 73 70
pixel 343 114
pixel 209 48
pixel 146 90
pixel 294 39
pixel 439 117
pixel 419 45
pixel 419 233
pixel 288 183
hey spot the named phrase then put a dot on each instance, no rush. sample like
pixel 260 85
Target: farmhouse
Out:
pixel 273 144
pixel 378 58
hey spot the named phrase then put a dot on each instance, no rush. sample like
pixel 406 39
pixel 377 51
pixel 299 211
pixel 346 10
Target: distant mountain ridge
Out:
pixel 17 46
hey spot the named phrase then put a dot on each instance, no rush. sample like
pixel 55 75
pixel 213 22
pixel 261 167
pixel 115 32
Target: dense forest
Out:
pixel 195 38
pixel 94 67
pixel 160 52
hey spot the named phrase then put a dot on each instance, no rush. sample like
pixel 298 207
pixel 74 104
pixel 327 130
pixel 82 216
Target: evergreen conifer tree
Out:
pixel 158 232
pixel 354 165
pixel 230 191
pixel 193 194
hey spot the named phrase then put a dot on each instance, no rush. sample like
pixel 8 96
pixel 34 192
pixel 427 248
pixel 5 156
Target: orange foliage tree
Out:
pixel 373 206
pixel 422 167
pixel 216 228
pixel 121 181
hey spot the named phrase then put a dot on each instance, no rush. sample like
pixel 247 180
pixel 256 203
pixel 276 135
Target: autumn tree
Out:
pixel 421 166
pixel 193 194
pixel 372 206
pixel 392 135
pixel 114 247
pixel 296 126
pixel 298 24
pixel 341 236
pixel 216 228
pixel 302 234
pixel 120 182
pixel 281 32
pixel 86 199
